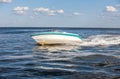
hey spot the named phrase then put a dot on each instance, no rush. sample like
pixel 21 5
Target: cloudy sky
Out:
pixel 60 13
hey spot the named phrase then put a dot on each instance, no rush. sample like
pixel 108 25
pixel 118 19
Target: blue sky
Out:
pixel 60 13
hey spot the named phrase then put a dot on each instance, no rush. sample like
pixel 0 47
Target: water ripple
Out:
pixel 97 57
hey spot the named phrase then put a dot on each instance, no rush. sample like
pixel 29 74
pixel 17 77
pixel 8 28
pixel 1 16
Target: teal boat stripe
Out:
pixel 52 33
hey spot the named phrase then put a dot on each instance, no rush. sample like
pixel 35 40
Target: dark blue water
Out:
pixel 97 57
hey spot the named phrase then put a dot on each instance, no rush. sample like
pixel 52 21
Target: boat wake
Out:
pixel 101 40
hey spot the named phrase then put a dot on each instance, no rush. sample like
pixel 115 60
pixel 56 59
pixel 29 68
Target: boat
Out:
pixel 55 37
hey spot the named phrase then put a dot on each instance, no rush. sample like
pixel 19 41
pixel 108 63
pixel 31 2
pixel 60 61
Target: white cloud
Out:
pixel 60 11
pixel 76 13
pixel 20 10
pixel 111 9
pixel 5 1
pixel 47 11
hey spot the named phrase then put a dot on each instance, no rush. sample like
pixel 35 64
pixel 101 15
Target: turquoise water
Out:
pixel 97 57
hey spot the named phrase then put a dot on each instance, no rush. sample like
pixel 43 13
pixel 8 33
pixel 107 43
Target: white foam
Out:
pixel 101 40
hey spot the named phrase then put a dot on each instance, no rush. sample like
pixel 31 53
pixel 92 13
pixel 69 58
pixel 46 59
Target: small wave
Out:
pixel 17 57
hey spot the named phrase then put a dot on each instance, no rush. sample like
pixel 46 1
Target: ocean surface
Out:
pixel 97 57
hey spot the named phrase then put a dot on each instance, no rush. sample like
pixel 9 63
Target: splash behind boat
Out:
pixel 56 38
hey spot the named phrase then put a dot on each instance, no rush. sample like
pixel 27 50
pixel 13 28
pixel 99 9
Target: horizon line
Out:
pixel 65 27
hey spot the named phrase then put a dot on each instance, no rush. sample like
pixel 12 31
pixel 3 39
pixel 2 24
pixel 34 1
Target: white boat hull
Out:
pixel 56 39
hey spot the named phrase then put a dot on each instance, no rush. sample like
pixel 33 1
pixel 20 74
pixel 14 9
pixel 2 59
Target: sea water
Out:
pixel 96 57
